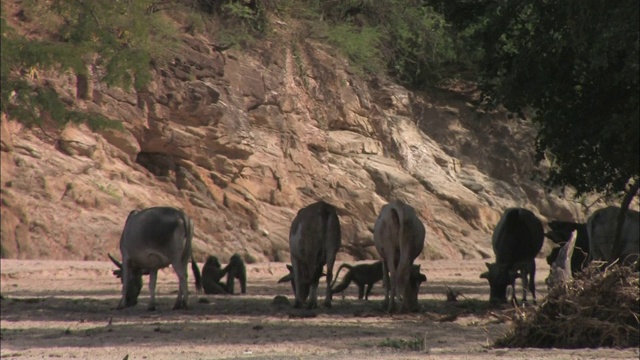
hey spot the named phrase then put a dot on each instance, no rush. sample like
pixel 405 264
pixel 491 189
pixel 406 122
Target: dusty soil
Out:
pixel 65 309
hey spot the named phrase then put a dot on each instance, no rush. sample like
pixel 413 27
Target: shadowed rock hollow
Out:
pixel 242 140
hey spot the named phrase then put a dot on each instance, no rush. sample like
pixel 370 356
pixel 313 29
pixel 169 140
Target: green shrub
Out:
pixel 125 36
pixel 415 344
pixel 411 40
pixel 360 45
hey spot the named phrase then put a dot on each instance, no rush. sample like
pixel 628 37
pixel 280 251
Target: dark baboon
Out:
pixel 369 274
pixel 289 278
pixel 211 274
pixel 235 269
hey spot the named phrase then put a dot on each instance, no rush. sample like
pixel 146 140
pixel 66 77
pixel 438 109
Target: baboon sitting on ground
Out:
pixel 235 270
pixel 211 274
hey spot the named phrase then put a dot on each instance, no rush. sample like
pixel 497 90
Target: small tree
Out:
pixel 576 65
pixel 125 36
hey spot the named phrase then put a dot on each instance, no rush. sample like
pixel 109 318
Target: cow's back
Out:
pixel 518 236
pixel 414 230
pixel 314 228
pixel 601 227
pixel 162 231
pixel 387 228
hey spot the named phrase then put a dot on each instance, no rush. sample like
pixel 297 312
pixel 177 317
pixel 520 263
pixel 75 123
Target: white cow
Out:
pixel 153 239
pixel 399 238
pixel 601 227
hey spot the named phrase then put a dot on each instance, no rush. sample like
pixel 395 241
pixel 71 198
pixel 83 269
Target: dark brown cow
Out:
pixel 517 239
pixel 314 240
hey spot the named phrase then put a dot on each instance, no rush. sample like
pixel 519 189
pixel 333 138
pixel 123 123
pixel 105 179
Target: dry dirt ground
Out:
pixel 65 309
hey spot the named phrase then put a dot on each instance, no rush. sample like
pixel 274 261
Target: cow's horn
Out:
pixel 118 263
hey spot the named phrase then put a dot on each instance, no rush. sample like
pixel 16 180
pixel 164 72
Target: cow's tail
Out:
pixel 403 267
pixel 196 275
pixel 188 233
pixel 335 277
pixel 325 215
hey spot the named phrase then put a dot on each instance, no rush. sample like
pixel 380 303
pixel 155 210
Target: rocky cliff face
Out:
pixel 242 140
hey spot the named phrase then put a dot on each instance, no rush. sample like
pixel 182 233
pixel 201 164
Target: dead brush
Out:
pixel 599 308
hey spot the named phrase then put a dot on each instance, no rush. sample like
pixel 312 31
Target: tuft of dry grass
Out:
pixel 599 308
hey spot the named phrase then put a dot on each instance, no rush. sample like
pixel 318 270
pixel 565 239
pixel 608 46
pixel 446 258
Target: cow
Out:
pixel 314 240
pixel 560 234
pixel 601 226
pixel 517 239
pixel 399 237
pixel 152 239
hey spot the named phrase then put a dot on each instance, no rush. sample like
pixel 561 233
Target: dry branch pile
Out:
pixel 599 308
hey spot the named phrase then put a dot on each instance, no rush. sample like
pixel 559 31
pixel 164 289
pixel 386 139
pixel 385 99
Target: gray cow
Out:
pixel 517 239
pixel 314 240
pixel 399 238
pixel 153 239
pixel 601 227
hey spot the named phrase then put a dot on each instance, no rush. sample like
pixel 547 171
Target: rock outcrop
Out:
pixel 242 140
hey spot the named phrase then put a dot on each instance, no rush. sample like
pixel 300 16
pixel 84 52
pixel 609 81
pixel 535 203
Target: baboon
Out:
pixel 211 274
pixel 289 278
pixel 369 274
pixel 235 269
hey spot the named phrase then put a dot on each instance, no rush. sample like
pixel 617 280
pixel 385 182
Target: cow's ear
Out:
pixel 290 267
pixel 484 275
pixel 285 278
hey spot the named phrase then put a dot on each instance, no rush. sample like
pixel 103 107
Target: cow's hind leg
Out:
pixel 393 273
pixel 126 274
pixel 385 283
pixel 183 290
pixel 532 280
pixel 313 295
pixel 153 277
pixel 297 282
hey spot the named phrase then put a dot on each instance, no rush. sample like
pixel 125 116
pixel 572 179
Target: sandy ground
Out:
pixel 65 309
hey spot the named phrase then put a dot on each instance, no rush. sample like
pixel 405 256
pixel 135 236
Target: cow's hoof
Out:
pixel 312 305
pixel 151 308
pixel 327 304
pixel 297 305
pixel 180 305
